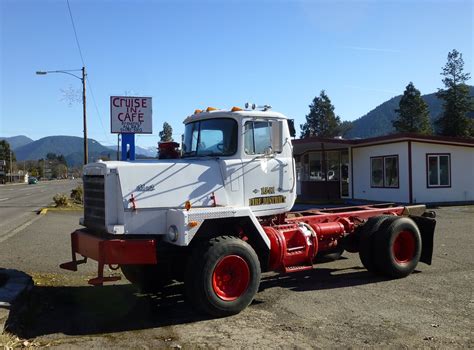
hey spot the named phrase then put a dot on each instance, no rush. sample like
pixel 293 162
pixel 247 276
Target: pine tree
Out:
pixel 166 135
pixel 457 102
pixel 5 151
pixel 345 127
pixel 321 120
pixel 413 113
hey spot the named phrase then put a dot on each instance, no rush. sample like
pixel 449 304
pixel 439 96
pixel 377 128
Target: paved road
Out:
pixel 338 304
pixel 20 202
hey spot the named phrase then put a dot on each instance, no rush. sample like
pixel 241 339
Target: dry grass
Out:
pixel 9 341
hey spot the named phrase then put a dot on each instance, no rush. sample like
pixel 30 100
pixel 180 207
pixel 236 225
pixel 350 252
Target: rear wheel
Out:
pixel 223 276
pixel 398 248
pixel 148 278
pixel 366 240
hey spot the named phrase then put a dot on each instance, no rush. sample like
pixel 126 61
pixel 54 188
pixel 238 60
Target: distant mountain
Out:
pixel 69 146
pixel 378 121
pixel 17 141
pixel 148 152
pixel 140 151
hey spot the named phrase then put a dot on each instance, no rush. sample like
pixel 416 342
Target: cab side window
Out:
pixel 257 137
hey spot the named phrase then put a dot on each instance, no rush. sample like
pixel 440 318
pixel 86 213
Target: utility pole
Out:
pixel 86 150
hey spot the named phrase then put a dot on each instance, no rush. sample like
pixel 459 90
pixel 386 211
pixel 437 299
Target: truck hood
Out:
pixel 165 183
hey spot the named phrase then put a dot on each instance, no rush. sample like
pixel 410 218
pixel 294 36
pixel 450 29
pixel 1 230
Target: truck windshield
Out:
pixel 211 137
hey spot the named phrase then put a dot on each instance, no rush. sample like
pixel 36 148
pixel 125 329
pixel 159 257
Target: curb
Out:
pixel 44 211
pixel 13 296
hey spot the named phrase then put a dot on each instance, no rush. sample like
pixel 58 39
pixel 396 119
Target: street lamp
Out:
pixel 83 80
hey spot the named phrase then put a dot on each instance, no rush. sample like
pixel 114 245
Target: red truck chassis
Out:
pixel 296 238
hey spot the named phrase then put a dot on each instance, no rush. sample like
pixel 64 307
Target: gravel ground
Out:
pixel 338 304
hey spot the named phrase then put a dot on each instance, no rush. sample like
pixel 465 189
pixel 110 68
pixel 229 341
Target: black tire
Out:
pixel 366 240
pixel 148 278
pixel 204 276
pixel 351 243
pixel 398 248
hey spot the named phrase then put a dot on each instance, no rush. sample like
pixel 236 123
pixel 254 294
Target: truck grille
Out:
pixel 94 202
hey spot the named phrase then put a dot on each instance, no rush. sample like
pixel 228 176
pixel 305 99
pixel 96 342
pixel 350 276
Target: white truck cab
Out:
pixel 232 160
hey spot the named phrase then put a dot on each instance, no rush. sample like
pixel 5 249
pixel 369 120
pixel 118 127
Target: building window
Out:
pixel 316 172
pixel 391 171
pixel 333 161
pixel 384 172
pixel 312 169
pixel 322 166
pixel 438 170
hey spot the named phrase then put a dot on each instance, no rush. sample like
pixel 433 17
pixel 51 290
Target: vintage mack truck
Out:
pixel 220 215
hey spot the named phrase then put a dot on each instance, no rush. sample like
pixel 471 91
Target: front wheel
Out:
pixel 223 276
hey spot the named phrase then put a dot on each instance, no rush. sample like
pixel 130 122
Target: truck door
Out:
pixel 267 167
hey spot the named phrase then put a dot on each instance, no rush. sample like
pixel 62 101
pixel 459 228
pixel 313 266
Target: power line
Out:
pixel 96 108
pixel 84 65
pixel 75 33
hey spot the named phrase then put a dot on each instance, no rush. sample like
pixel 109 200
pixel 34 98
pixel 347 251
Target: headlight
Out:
pixel 173 233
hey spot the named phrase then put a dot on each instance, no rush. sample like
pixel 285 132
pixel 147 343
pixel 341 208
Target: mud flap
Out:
pixel 427 227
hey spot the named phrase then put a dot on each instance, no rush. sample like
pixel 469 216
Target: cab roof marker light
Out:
pixel 197 111
pixel 210 109
pixel 236 109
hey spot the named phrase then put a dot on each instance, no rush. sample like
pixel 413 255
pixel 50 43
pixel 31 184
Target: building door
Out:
pixel 344 174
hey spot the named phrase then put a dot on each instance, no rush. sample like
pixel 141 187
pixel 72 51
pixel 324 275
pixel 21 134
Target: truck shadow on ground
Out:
pixel 321 279
pixel 89 310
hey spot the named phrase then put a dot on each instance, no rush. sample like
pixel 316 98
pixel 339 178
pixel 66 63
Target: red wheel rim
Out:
pixel 231 277
pixel 404 247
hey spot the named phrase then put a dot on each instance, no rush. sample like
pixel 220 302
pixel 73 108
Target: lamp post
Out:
pixel 83 80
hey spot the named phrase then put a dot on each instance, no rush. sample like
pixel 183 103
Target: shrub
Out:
pixel 61 200
pixel 77 194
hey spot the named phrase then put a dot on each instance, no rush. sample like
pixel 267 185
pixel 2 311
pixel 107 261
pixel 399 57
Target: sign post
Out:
pixel 129 116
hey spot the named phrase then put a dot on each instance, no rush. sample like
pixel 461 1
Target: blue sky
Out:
pixel 194 54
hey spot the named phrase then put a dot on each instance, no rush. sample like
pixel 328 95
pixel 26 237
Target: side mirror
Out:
pixel 291 127
pixel 277 136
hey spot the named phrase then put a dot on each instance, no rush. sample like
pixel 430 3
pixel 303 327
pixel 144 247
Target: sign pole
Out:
pixel 118 146
pixel 128 146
